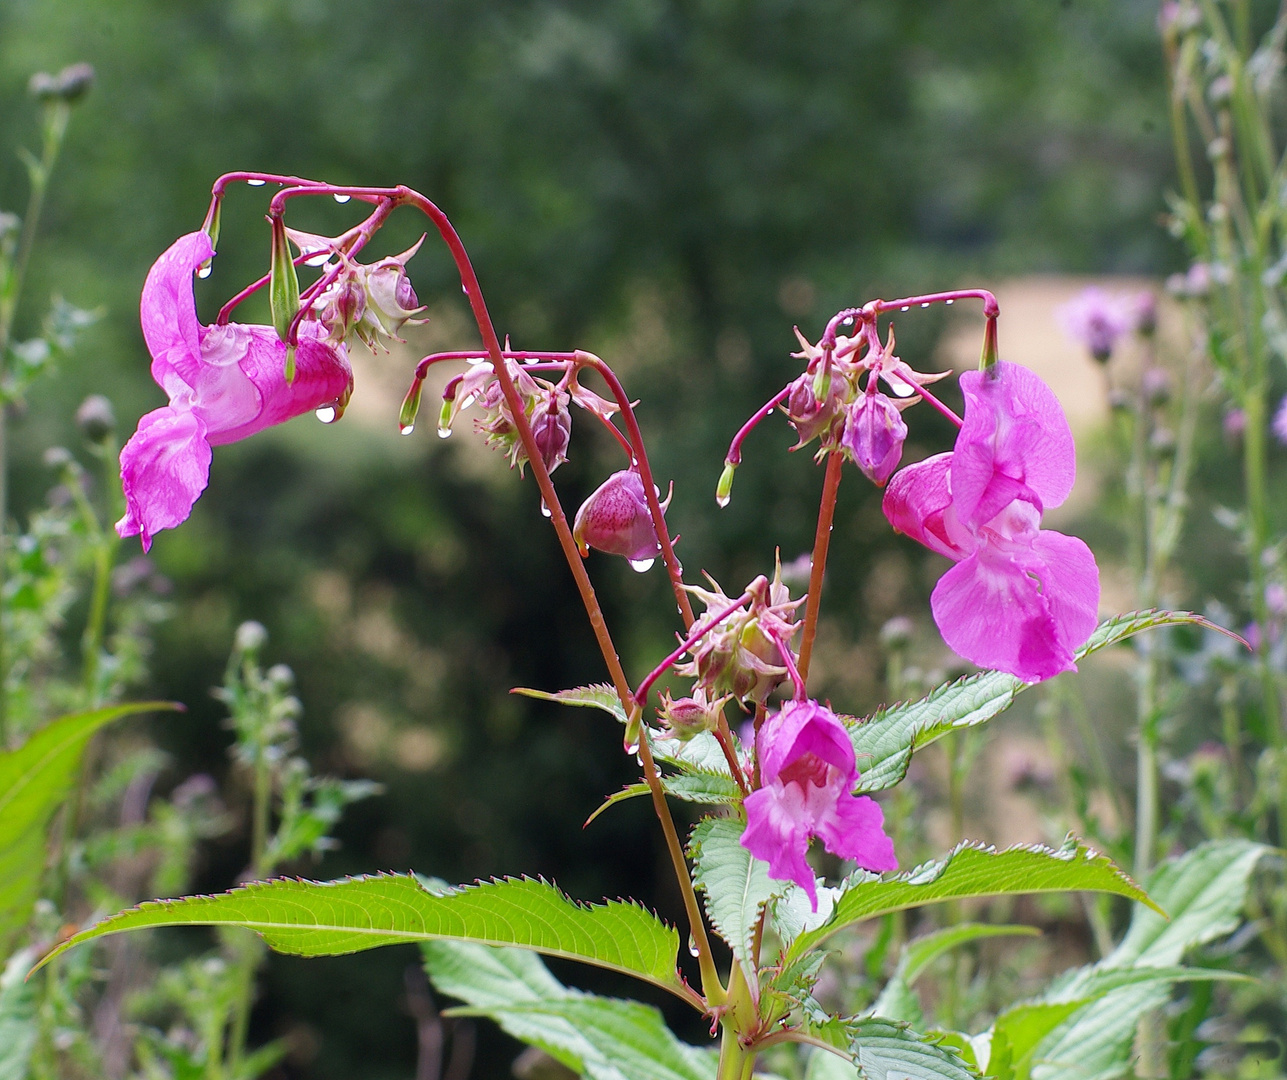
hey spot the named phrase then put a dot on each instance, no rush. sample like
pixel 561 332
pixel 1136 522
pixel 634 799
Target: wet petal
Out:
pixel 164 467
pixel 775 834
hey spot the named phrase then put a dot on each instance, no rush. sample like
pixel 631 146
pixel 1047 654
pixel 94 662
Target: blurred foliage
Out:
pixel 671 184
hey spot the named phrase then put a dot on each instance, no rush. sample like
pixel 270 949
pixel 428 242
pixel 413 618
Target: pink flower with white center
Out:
pixel 224 383
pixel 1097 321
pixel 808 771
pixel 874 435
pixel 615 519
pixel 1021 598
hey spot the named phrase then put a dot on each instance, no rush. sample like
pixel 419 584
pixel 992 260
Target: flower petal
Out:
pixel 856 830
pixel 168 312
pixel 1070 584
pixel 804 727
pixel 775 835
pixel 918 502
pixel 1014 426
pixel 992 612
pixel 164 467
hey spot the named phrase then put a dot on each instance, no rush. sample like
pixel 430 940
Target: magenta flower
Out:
pixel 1020 598
pixel 615 520
pixel 224 383
pixel 874 435
pixel 1097 321
pixel 1280 422
pixel 808 771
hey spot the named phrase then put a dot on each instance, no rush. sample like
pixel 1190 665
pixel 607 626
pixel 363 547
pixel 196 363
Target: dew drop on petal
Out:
pixel 641 566
pixel 256 183
pixel 318 259
pixel 204 272
pixel 341 198
pixel 631 748
pixel 406 429
pixel 327 414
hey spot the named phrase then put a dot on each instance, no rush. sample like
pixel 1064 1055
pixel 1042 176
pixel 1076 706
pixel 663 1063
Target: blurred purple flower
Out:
pixel 1021 598
pixel 1096 320
pixel 808 769
pixel 1280 422
pixel 224 382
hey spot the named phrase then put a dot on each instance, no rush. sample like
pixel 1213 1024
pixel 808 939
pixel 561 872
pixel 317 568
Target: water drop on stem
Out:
pixel 906 307
pixel 545 510
pixel 256 183
pixel 341 198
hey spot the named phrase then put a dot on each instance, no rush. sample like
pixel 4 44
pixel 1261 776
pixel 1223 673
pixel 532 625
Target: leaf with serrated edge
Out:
pixel 1204 892
pixel 312 918
pixel 736 884
pixel 35 780
pixel 887 1050
pixel 595 696
pixel 703 788
pixel 620 1041
pixel 972 870
pixel 885 741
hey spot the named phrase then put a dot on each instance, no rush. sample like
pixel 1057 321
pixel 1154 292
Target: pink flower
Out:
pixel 808 771
pixel 1097 320
pixel 1280 422
pixel 224 383
pixel 1020 598
pixel 874 435
pixel 615 520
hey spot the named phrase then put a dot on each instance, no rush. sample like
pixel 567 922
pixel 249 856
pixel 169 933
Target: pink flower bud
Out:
pixel 809 416
pixel 615 520
pixel 688 717
pixel 874 435
pixel 552 430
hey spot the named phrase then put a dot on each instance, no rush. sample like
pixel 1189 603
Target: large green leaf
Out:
pixel 887 1050
pixel 971 871
pixel 736 885
pixel 35 780
pixel 884 742
pixel 316 918
pixel 17 1016
pixel 602 1038
pixel 1204 892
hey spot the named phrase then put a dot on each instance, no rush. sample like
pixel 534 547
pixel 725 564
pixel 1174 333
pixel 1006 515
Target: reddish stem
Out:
pixel 641 695
pixel 930 399
pixel 821 543
pixel 724 736
pixel 784 648
pixel 734 455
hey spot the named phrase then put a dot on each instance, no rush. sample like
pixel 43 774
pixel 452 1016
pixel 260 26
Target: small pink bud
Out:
pixel 874 435
pixel 615 520
pixel 688 717
pixel 551 431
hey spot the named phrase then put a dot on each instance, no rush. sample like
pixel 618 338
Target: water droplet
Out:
pixel 444 432
pixel 631 748
pixel 318 259
pixel 545 510
pixel 723 500
pixel 949 302
pixel 341 198
pixel 256 183
pixel 468 400
pixel 847 321
pixel 204 272
pixel 692 946
pixel 465 289
pixel 327 414
pixel 925 305
pixel 906 307
pixel 406 429
pixel 641 566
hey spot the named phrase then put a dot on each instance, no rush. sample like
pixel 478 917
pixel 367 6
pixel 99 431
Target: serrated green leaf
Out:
pixel 886 1050
pixel 972 870
pixel 736 886
pixel 602 1038
pixel 18 1005
pixel 1204 892
pixel 312 918
pixel 595 696
pixel 1014 1038
pixel 884 742
pixel 35 780
pixel 705 788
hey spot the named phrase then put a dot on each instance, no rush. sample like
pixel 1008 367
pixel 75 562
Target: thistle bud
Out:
pixel 615 520
pixel 874 435
pixel 95 418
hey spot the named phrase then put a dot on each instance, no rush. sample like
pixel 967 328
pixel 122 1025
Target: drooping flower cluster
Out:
pixel 1020 598
pixel 808 772
pixel 225 382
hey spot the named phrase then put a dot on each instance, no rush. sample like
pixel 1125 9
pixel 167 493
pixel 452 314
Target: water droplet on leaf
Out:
pixel 641 566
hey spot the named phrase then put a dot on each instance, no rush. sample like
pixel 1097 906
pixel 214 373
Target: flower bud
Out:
pixel 873 436
pixel 1156 384
pixel 552 430
pixel 724 489
pixel 95 418
pixel 896 633
pixel 250 637
pixel 811 416
pixel 389 293
pixel 283 283
pixel 688 717
pixel 615 520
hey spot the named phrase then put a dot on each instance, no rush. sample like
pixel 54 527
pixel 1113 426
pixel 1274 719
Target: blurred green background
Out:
pixel 670 183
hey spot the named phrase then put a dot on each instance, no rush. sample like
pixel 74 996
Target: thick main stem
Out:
pixel 818 564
